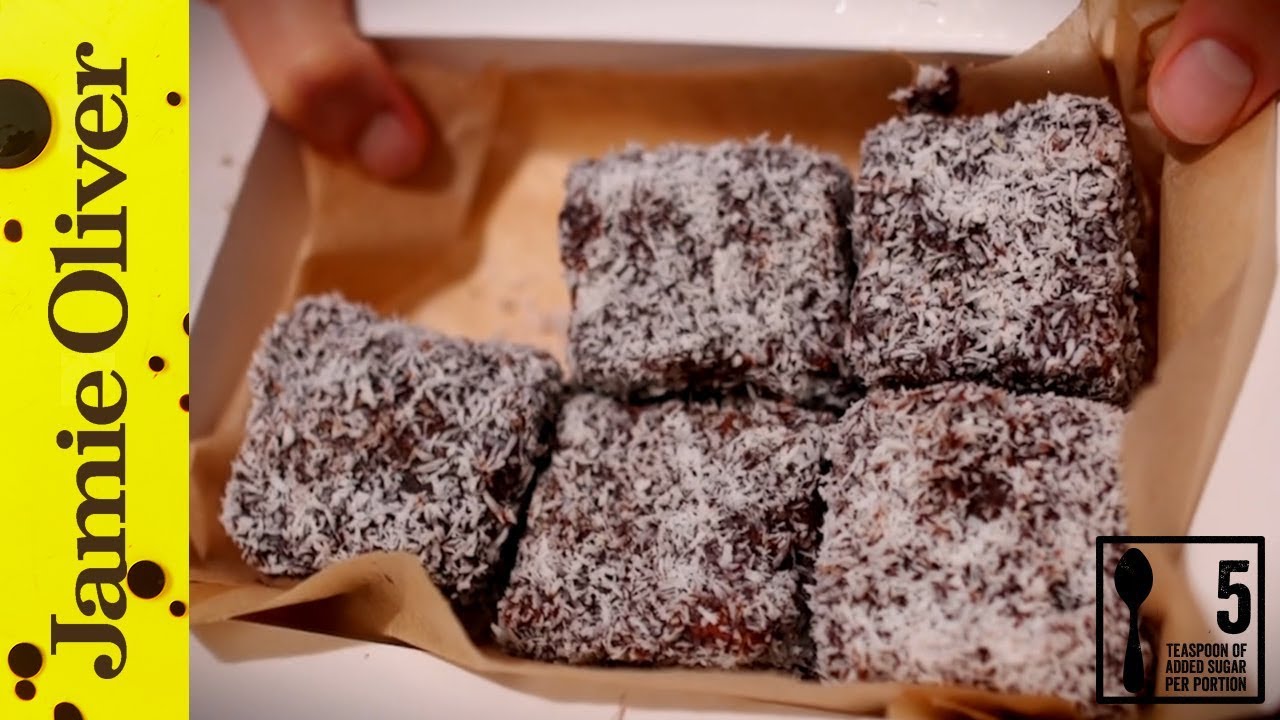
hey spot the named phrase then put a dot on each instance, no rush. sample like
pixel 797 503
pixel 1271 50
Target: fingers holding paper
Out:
pixel 1219 66
pixel 330 84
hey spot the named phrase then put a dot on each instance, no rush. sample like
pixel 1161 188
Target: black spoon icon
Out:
pixel 1133 584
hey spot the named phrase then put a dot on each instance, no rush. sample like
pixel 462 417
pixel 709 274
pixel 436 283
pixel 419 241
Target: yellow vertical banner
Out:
pixel 93 358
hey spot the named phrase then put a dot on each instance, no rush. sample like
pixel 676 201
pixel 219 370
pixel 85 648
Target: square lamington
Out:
pixel 958 544
pixel 669 534
pixel 1000 248
pixel 712 266
pixel 368 434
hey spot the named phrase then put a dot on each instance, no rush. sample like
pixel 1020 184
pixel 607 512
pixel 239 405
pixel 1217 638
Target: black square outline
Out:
pixel 1259 541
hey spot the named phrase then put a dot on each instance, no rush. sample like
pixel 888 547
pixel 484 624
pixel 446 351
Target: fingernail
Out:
pixel 387 149
pixel 1202 91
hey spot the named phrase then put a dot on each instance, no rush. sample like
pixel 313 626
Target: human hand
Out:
pixel 330 84
pixel 1219 66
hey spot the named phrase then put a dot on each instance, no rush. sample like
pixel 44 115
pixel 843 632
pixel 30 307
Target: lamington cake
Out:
pixel 668 534
pixel 368 434
pixel 709 266
pixel 959 541
pixel 1000 248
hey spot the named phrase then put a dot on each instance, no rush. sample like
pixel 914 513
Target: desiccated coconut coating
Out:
pixel 669 534
pixel 707 267
pixel 936 90
pixel 958 544
pixel 1000 248
pixel 368 434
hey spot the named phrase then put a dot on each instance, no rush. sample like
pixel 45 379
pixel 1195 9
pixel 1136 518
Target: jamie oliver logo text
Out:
pixel 88 266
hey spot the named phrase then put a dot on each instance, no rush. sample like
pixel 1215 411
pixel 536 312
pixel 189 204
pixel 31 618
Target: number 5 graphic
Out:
pixel 1227 589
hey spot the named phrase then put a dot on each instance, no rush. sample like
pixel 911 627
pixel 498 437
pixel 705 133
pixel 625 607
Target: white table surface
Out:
pixel 245 671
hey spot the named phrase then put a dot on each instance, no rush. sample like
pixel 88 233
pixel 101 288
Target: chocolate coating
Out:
pixel 704 267
pixel 669 534
pixel 367 434
pixel 958 545
pixel 999 248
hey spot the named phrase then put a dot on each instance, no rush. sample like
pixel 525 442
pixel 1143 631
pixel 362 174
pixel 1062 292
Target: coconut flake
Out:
pixel 669 534
pixel 368 435
pixel 958 546
pixel 1000 248
pixel 711 266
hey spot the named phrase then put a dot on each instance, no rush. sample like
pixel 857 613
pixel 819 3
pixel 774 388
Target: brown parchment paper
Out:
pixel 470 248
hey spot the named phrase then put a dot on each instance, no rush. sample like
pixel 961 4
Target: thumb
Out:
pixel 330 84
pixel 1220 64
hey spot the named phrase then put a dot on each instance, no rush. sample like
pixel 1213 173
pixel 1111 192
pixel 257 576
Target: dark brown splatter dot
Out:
pixel 177 608
pixel 66 711
pixel 26 122
pixel 25 689
pixel 13 231
pixel 185 403
pixel 64 439
pixel 156 363
pixel 62 223
pixel 174 99
pixel 146 579
pixel 186 324
pixel 25 660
